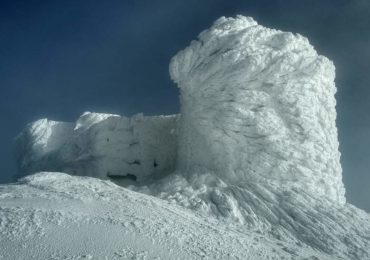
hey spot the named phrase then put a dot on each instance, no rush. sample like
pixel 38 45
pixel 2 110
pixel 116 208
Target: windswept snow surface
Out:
pixel 253 153
pixel 293 216
pixel 57 216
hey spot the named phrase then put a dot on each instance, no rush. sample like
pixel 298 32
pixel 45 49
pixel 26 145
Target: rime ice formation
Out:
pixel 257 105
pixel 254 150
pixel 100 145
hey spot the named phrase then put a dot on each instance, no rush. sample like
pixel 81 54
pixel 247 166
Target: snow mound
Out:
pixel 100 145
pixel 257 105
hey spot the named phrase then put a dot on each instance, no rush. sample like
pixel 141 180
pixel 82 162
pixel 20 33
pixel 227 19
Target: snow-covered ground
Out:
pixel 57 216
pixel 249 169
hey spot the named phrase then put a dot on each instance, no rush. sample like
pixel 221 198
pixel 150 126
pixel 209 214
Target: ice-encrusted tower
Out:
pixel 257 105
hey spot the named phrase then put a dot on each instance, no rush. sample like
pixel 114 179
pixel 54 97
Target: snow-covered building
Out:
pixel 257 105
pixel 100 145
pixel 255 145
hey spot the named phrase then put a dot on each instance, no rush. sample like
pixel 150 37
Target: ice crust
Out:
pixel 100 145
pixel 258 104
pixel 255 145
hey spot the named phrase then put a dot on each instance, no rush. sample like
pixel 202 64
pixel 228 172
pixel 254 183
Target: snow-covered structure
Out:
pixel 100 145
pixel 255 145
pixel 257 105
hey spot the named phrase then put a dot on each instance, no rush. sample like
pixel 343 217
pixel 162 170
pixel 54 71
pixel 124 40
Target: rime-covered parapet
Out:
pixel 258 104
pixel 100 145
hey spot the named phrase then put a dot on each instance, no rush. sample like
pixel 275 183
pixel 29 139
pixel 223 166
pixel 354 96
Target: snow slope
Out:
pixel 290 215
pixel 254 152
pixel 57 216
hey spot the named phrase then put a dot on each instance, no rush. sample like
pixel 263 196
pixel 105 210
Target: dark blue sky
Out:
pixel 61 58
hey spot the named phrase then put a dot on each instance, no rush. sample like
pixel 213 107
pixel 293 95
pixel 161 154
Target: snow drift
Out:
pixel 255 145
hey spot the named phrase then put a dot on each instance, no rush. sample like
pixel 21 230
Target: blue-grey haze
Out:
pixel 61 58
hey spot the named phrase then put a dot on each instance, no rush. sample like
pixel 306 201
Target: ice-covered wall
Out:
pixel 100 145
pixel 257 105
pixel 39 140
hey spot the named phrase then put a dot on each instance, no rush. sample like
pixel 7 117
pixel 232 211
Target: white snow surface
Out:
pixel 248 170
pixel 57 216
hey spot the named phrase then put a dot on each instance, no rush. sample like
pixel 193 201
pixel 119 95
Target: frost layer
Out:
pixel 100 145
pixel 258 106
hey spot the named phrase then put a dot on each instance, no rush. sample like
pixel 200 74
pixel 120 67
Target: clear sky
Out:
pixel 61 58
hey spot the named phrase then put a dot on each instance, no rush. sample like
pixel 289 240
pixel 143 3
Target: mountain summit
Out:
pixel 253 152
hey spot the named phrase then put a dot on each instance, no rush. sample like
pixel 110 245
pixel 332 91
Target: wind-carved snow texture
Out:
pixel 255 145
pixel 257 139
pixel 100 145
pixel 258 104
